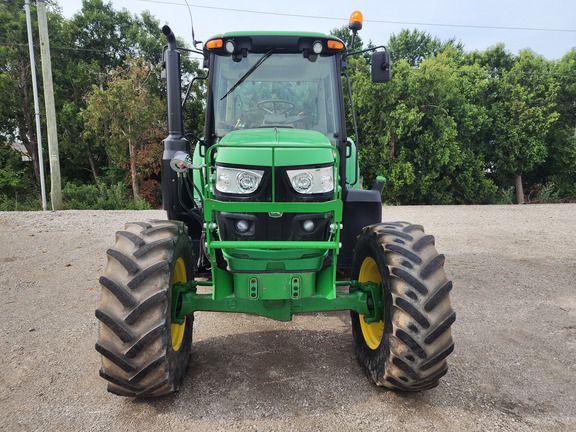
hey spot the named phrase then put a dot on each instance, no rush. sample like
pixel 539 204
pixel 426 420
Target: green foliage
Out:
pixel 16 185
pixel 458 128
pixel 84 50
pixel 504 196
pixel 560 166
pixel 105 197
pixel 12 170
pixel 419 132
pixel 415 46
pixel 547 194
pixel 451 126
pixel 19 202
pixel 16 114
pixel 125 116
pixel 522 121
pixel 193 112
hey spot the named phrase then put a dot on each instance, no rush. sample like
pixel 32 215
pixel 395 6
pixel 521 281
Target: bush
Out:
pixel 18 190
pixel 106 197
pixel 548 193
pixel 505 196
pixel 20 202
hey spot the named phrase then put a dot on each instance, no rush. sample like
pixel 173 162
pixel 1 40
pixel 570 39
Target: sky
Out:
pixel 547 27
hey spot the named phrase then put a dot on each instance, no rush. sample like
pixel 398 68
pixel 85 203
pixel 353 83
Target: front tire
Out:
pixel 143 353
pixel 407 350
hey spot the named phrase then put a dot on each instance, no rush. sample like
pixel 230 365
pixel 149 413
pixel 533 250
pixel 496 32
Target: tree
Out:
pixel 100 39
pixel 418 131
pixel 127 114
pixel 495 59
pixel 15 177
pixel 522 111
pixel 414 46
pixel 85 49
pixel 561 163
pixel 17 109
pixel 449 128
pixel 193 112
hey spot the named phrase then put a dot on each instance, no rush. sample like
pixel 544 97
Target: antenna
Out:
pixel 194 41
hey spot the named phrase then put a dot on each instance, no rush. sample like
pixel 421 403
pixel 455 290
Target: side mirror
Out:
pixel 380 66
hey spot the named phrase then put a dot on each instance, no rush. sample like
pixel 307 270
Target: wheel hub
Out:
pixel 177 330
pixel 372 332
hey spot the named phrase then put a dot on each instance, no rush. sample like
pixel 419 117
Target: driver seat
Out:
pixel 274 119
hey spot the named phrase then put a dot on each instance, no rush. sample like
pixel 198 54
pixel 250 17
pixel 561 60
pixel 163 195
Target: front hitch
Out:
pixel 365 298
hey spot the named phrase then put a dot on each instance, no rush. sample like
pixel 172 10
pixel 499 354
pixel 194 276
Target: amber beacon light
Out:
pixel 356 20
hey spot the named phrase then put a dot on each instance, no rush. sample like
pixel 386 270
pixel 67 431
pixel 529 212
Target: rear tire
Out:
pixel 407 350
pixel 143 353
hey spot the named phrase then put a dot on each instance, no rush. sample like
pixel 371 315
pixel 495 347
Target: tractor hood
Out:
pixel 275 146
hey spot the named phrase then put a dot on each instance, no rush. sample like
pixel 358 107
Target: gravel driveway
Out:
pixel 514 366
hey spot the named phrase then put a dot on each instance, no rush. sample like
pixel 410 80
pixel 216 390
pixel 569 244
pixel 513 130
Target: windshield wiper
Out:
pixel 249 72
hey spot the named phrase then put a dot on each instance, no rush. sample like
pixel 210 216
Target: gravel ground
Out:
pixel 514 367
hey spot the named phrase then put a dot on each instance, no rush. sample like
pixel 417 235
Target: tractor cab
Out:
pixel 282 93
pixel 271 80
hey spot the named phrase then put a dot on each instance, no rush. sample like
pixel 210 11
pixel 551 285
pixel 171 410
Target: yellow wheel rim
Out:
pixel 177 330
pixel 372 332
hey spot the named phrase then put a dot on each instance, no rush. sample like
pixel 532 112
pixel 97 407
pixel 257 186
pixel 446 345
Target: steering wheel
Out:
pixel 278 106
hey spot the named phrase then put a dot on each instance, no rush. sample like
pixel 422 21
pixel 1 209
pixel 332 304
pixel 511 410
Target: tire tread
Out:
pixel 417 339
pixel 129 265
pixel 134 339
pixel 123 297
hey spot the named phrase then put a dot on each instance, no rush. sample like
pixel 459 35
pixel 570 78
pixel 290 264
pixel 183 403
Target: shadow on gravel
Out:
pixel 276 374
pixel 287 374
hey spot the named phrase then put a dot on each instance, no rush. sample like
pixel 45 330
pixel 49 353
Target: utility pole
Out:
pixel 55 185
pixel 36 105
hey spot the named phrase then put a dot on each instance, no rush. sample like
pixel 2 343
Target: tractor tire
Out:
pixel 407 350
pixel 143 353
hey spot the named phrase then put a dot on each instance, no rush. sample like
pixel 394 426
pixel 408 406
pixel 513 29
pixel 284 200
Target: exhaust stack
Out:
pixel 173 86
pixel 175 141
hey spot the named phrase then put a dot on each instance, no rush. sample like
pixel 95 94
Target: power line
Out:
pixel 202 58
pixel 58 48
pixel 77 49
pixel 509 72
pixel 485 27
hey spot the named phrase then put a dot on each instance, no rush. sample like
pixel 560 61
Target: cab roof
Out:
pixel 274 33
pixel 263 41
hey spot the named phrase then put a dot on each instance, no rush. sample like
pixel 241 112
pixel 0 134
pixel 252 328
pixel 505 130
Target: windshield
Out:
pixel 276 90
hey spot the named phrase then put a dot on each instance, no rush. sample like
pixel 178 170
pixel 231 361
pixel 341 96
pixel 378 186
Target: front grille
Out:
pixel 261 226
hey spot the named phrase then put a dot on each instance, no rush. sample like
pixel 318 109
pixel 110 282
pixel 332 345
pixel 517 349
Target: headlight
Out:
pixel 312 180
pixel 237 181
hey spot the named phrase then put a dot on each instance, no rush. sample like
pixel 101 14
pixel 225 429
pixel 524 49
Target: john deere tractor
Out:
pixel 267 216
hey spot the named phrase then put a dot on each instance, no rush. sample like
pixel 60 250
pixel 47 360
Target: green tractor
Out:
pixel 267 216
